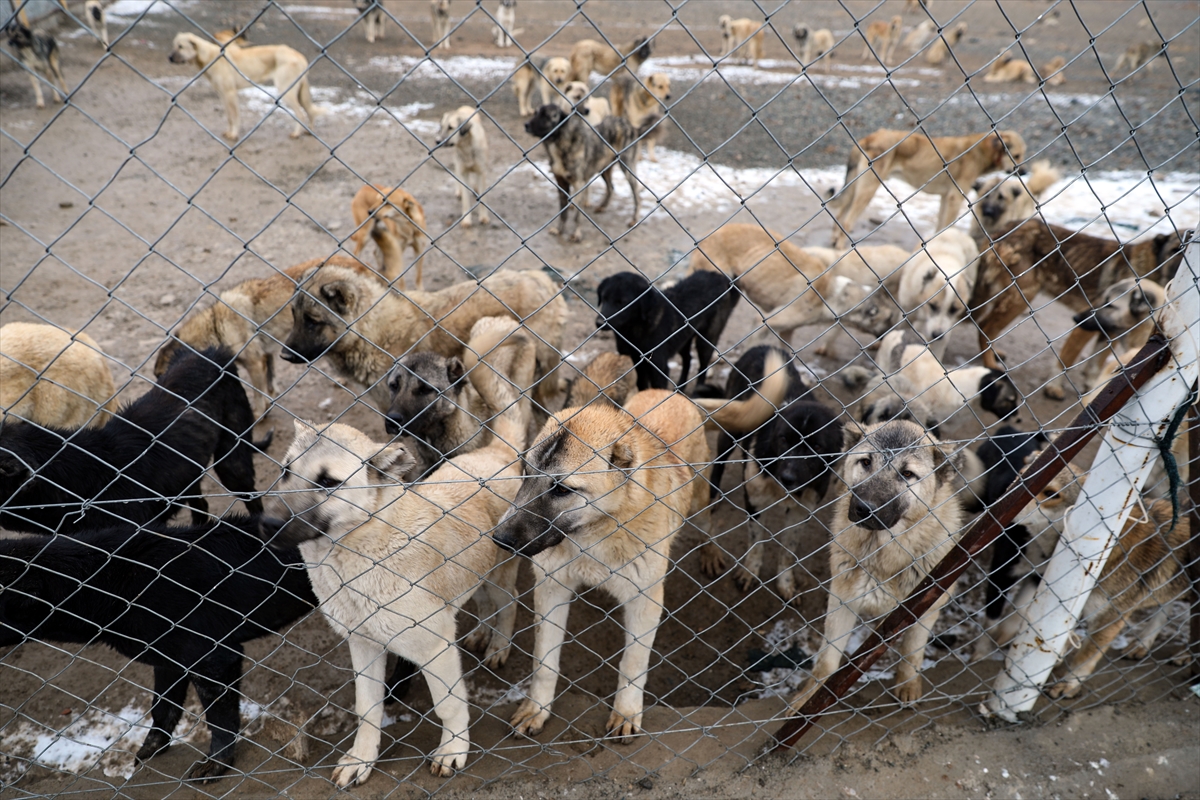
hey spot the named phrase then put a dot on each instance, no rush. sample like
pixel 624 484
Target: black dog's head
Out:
pixel 545 121
pixel 998 394
pixel 14 471
pixel 19 36
pixel 798 447
pixel 623 299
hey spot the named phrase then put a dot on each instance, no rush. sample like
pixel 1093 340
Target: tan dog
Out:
pixel 779 277
pixel 606 492
pixel 743 35
pixel 53 377
pixel 551 78
pixel 439 12
pixel 464 130
pixel 645 110
pixel 940 166
pixel 937 52
pixel 919 36
pixel 362 326
pixel 896 520
pixel 936 284
pixel 250 319
pixel 882 38
pixel 404 221
pixel 506 24
pixel 229 67
pixel 392 565
pixel 1054 71
pixel 610 375
pixel 815 45
pixel 1125 320
pixel 1072 267
pixel 1008 199
pixel 589 55
pixel 1139 55
pixel 1007 69
pixel 97 20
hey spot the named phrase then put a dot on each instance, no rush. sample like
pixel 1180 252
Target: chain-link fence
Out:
pixel 311 275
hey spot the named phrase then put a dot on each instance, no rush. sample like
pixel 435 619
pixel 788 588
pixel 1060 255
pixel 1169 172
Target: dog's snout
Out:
pixel 867 512
pixel 393 424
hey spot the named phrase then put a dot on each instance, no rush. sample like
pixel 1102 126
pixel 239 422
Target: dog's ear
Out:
pixel 455 369
pixel 12 468
pixel 391 464
pixel 303 431
pixel 852 434
pixel 622 457
pixel 339 296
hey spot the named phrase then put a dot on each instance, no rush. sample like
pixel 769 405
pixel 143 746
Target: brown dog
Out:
pixel 609 374
pixel 743 35
pixel 1053 71
pixel 882 38
pixel 1007 69
pixel 406 224
pixel 1074 268
pixel 589 55
pixel 943 166
pixel 644 109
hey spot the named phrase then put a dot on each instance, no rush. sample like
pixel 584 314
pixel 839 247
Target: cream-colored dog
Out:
pixel 937 52
pixel 439 12
pixel 54 377
pixel 744 35
pixel 882 38
pixel 463 129
pixel 935 286
pixel 1007 69
pixel 229 67
pixel 815 45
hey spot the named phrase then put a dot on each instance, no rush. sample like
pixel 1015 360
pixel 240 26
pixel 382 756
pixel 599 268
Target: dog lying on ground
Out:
pixel 444 404
pixel 463 129
pixel 551 75
pixel 181 600
pixel 1139 55
pixel 937 52
pixel 897 518
pixel 363 327
pixel 744 35
pixel 610 375
pixel 249 319
pixel 38 53
pixel 578 152
pixel 882 38
pixel 652 326
pixel 790 461
pixel 393 564
pixel 228 68
pixel 815 45
pixel 935 286
pixel 1009 199
pixel 1124 320
pixel 53 377
pixel 1008 69
pixel 506 24
pixel 97 20
pixel 940 166
pixel 404 221
pixel 439 12
pixel 373 16
pixel 1072 267
pixel 645 110
pixel 1053 71
pixel 607 489
pixel 148 458
pixel 781 278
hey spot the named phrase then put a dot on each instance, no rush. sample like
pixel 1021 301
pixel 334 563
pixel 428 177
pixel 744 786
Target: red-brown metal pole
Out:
pixel 1193 550
pixel 1065 446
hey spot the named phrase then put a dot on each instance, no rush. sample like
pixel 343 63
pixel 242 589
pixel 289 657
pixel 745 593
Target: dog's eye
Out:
pixel 872 311
pixel 312 322
pixel 326 482
pixel 561 490
pixel 908 475
pixel 865 463
pixel 1050 495
pixel 424 388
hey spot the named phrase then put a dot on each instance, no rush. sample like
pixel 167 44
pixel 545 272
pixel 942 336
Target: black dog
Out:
pixel 651 325
pixel 182 600
pixel 137 467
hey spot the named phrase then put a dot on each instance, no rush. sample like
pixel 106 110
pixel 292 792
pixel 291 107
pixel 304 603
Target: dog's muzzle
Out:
pixel 1089 321
pixel 872 517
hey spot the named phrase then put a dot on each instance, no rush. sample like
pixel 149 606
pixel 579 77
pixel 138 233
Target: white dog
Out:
pixel 506 23
pixel 462 129
pixel 936 284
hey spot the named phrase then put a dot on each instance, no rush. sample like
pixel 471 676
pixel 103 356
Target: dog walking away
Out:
pixel 1008 199
pixel 180 600
pixel 1072 267
pixel 791 463
pixel 815 45
pixel 937 52
pixel 897 517
pixel 362 326
pixel 373 16
pixel 463 129
pixel 882 38
pixel 940 166
pixel 551 75
pixel 97 20
pixel 148 458
pixel 38 53
pixel 652 326
pixel 404 221
pixel 578 152
pixel 54 378
pixel 506 24
pixel 393 564
pixel 790 287
pixel 228 67
pixel 439 12
pixel 606 491
pixel 745 35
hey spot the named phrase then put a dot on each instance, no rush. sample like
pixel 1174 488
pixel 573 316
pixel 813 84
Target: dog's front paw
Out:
pixel 785 584
pixel 1054 391
pixel 530 718
pixel 478 638
pixel 351 771
pixel 712 560
pixel 1136 652
pixel 745 579
pixel 1066 689
pixel 910 691
pixel 207 770
pixel 622 728
pixel 155 742
pixel 575 237
pixel 466 223
pixel 448 757
pixel 230 136
pixel 800 698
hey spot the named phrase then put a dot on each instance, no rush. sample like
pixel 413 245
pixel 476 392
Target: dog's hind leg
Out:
pixel 219 694
pixel 748 571
pixel 57 77
pixel 631 177
pixel 229 97
pixel 606 176
pixel 566 205
pixel 194 499
pixel 170 693
pixel 37 90
pixel 370 666
pixel 497 614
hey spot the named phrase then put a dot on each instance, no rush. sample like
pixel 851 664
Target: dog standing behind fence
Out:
pixel 97 20
pixel 439 12
pixel 506 23
pixel 463 129
pixel 38 53
pixel 815 45
pixel 744 35
pixel 373 16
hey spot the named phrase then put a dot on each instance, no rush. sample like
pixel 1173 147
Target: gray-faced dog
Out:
pixel 578 152
pixel 896 519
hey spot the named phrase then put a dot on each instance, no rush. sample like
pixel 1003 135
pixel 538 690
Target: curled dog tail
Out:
pixel 1041 177
pixel 500 360
pixel 743 416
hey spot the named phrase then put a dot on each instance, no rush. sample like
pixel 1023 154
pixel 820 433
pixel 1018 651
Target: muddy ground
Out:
pixel 125 210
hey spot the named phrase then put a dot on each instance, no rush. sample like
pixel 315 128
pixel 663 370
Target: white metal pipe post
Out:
pixel 1111 492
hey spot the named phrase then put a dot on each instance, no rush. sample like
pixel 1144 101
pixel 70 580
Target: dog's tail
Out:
pixel 501 359
pixel 1041 177
pixel 743 416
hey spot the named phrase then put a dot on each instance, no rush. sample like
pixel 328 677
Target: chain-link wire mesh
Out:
pixel 390 336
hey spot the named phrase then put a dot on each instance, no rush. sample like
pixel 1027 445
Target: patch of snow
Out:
pixel 132 9
pixel 487 697
pixel 321 11
pixel 457 68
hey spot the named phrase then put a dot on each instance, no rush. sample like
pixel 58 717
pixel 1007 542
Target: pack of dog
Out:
pixel 651 326
pixel 624 60
pixel 143 462
pixel 549 75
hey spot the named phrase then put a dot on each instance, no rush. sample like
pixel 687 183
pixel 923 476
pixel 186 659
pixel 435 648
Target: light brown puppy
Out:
pixel 362 326
pixel 229 67
pixel 589 55
pixel 1007 69
pixel 404 220
pixel 54 377
pixel 744 35
pixel 608 374
pixel 937 52
pixel 551 77
pixel 645 110
pixel 815 45
pixel 1053 72
pixel 607 491
pixel 943 166
pixel 896 520
pixel 1008 199
pixel 882 38
pixel 439 12
pixel 779 277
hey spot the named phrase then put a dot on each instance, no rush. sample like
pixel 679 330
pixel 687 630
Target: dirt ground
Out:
pixel 124 211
